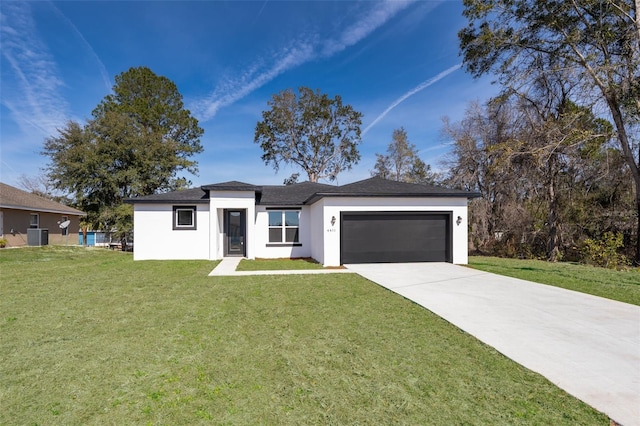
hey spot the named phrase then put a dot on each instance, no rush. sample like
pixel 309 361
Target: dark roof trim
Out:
pixel 166 201
pixel 289 207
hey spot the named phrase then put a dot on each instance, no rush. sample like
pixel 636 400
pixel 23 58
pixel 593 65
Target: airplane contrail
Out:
pixel 410 93
pixel 305 49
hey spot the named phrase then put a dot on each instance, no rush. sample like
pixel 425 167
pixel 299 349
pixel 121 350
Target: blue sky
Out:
pixel 397 62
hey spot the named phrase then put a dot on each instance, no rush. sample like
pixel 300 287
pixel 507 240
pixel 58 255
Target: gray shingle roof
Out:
pixel 233 185
pixel 379 187
pixel 14 198
pixel 183 196
pixel 307 192
pixel 290 195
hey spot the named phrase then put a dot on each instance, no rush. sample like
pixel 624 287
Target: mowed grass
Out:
pixel 90 337
pixel 623 286
pixel 277 264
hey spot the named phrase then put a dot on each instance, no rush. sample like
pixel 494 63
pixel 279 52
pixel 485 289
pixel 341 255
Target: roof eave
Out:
pixel 167 201
pixel 214 188
pixel 40 210
pixel 282 204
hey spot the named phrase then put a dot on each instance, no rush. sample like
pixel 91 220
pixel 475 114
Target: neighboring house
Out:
pixel 374 220
pixel 95 239
pixel 21 211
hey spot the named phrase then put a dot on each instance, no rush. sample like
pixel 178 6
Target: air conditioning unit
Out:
pixel 37 237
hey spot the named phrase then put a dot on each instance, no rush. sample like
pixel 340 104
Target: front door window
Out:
pixel 235 232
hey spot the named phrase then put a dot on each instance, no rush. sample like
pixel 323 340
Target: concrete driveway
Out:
pixel 586 345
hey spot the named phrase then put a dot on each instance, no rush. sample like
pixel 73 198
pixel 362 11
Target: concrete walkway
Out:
pixel 227 268
pixel 586 345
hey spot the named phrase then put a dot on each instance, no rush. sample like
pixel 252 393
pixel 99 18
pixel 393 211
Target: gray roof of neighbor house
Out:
pixel 307 192
pixel 14 198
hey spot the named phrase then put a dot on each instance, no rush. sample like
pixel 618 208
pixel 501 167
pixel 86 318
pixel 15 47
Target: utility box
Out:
pixel 37 237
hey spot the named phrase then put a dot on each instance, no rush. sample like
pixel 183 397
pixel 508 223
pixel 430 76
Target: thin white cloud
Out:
pixel 410 93
pixel 30 85
pixel 255 77
pixel 440 146
pixel 364 26
pixel 310 48
pixel 103 70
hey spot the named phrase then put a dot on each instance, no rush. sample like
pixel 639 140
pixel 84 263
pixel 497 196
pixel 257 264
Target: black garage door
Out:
pixel 368 237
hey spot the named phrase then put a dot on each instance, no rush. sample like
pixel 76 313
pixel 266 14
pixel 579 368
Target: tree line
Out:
pixel 559 64
pixel 553 183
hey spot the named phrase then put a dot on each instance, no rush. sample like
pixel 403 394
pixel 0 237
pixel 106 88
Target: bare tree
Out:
pixel 40 185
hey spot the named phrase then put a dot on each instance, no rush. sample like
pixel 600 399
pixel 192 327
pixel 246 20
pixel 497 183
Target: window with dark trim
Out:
pixel 284 226
pixel 34 220
pixel 184 217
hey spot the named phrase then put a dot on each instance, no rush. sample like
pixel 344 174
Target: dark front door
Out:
pixel 235 232
pixel 368 237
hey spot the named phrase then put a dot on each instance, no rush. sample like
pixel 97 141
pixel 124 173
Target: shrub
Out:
pixel 605 251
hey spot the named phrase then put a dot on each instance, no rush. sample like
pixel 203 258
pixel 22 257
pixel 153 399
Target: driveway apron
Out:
pixel 587 345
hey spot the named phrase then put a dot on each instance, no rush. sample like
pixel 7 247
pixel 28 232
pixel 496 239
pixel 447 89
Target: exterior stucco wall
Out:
pixel 317 230
pixel 266 250
pixel 18 221
pixel 332 206
pixel 319 238
pixel 154 237
pixel 240 200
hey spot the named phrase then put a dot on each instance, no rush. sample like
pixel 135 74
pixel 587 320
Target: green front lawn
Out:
pixel 90 337
pixel 623 286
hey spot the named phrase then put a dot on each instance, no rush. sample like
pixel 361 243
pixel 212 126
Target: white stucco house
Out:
pixel 373 220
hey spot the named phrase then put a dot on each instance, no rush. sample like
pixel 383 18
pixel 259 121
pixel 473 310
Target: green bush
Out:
pixel 605 251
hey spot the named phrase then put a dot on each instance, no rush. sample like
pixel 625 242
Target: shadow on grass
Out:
pixel 283 264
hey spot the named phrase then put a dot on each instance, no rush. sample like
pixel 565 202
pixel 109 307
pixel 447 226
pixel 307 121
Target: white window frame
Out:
pixel 37 222
pixel 283 227
pixel 181 227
